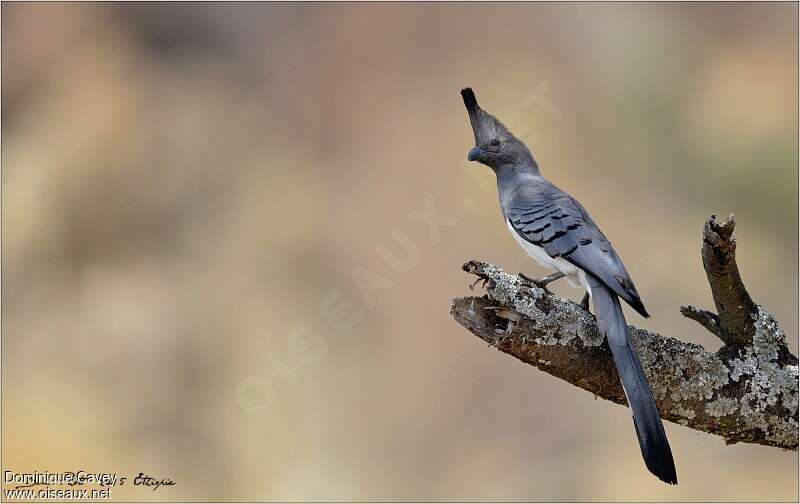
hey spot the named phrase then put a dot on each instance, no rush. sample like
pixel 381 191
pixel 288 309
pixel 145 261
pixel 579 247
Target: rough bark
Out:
pixel 735 307
pixel 746 392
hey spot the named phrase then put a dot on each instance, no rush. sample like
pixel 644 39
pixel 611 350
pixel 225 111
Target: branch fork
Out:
pixel 745 392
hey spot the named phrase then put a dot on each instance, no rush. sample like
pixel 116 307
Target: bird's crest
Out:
pixel 484 125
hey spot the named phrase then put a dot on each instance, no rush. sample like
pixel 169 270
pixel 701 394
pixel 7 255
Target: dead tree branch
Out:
pixel 746 392
pixel 735 307
pixel 705 318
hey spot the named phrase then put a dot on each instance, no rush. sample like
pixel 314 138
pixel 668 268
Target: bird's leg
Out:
pixel 585 302
pixel 542 282
pixel 526 280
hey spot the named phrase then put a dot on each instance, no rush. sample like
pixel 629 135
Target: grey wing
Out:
pixel 553 220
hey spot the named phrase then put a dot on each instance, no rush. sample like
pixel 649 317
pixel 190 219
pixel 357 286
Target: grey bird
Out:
pixel 553 228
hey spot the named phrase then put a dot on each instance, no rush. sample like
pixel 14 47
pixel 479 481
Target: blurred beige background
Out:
pixel 194 196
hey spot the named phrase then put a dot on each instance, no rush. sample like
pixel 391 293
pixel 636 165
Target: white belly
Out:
pixel 575 275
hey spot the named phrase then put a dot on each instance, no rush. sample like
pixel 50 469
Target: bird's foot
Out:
pixel 541 282
pixel 526 280
pixel 487 283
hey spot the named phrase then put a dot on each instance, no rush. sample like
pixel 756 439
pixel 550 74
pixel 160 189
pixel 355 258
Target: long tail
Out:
pixel 649 429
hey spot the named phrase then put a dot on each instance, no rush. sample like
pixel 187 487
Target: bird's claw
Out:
pixel 486 282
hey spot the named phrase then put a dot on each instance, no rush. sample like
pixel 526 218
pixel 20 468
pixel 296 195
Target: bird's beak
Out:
pixel 474 154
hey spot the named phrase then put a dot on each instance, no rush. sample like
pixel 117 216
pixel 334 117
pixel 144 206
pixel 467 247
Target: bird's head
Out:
pixel 495 146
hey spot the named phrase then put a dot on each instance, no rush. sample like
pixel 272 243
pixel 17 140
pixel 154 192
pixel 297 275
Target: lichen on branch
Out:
pixel 744 393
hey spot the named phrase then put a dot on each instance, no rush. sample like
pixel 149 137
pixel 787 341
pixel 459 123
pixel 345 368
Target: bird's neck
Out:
pixel 523 163
pixel 509 176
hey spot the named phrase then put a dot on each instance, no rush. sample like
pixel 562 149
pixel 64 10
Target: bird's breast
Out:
pixel 575 275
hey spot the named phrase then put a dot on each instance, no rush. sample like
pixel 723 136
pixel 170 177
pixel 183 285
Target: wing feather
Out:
pixel 554 221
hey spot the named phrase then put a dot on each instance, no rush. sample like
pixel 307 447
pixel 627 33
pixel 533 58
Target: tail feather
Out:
pixel 649 428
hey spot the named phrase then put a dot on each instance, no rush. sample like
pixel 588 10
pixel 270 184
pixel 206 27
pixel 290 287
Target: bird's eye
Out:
pixel 495 143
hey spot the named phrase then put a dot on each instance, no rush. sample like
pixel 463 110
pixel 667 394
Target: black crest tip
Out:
pixel 469 98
